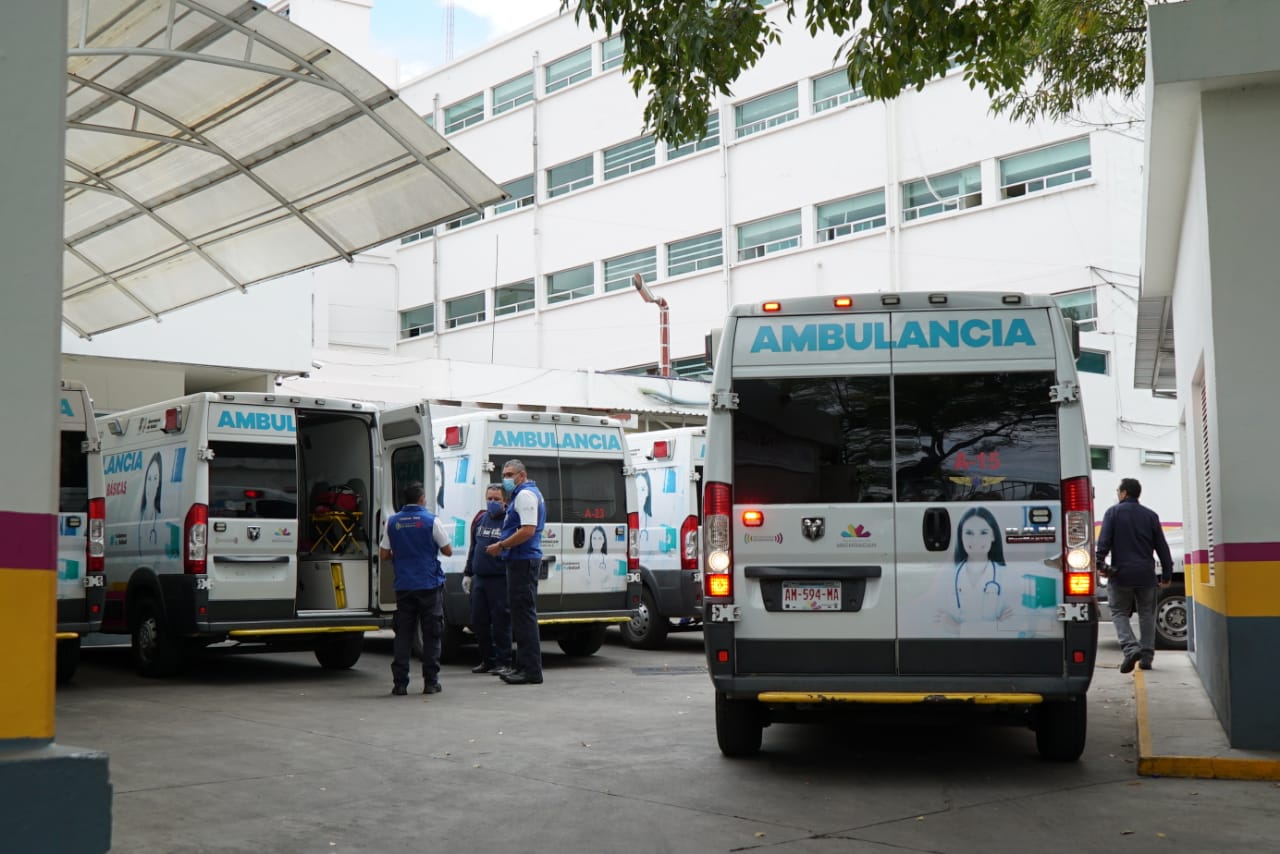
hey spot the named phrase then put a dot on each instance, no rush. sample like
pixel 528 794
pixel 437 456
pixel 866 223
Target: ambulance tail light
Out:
pixel 96 542
pixel 633 542
pixel 1077 538
pixel 717 523
pixel 689 543
pixel 195 550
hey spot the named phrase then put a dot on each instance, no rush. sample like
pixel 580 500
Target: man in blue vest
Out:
pixel 485 579
pixel 415 539
pixel 521 548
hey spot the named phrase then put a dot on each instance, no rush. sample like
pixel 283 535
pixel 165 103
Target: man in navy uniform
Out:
pixel 521 547
pixel 485 579
pixel 415 539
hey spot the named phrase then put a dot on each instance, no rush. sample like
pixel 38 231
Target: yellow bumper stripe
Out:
pixel 899 698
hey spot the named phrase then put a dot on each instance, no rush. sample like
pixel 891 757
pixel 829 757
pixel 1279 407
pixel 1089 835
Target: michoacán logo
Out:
pixel 874 335
pixel 564 441
pixel 265 422
pixel 855 531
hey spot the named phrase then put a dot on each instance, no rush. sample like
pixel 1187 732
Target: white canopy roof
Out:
pixel 212 144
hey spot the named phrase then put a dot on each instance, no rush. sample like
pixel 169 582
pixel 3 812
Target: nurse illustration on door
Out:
pixel 977 602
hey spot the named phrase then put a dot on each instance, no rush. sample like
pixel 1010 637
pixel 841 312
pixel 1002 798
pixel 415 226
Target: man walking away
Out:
pixel 521 546
pixel 1130 533
pixel 485 579
pixel 415 539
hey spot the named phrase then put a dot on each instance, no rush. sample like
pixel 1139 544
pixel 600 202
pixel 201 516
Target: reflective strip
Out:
pixel 566 620
pixel 66 635
pixel 319 630
pixel 897 698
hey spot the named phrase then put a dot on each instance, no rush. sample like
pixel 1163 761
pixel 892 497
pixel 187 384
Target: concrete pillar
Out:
pixel 52 797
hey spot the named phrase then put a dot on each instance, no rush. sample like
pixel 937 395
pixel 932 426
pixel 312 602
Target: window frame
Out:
pixel 845 96
pixel 741 130
pixel 508 104
pixel 522 305
pixel 466 120
pixel 408 333
pixel 943 204
pixel 647 267
pixel 608 63
pixel 1106 362
pixel 1089 323
pixel 516 202
pixel 1046 179
pixel 1103 452
pixel 551 85
pixel 451 322
pixel 770 247
pixel 646 146
pixel 828 233
pixel 709 139
pixel 696 261
pixel 575 293
pixel 557 190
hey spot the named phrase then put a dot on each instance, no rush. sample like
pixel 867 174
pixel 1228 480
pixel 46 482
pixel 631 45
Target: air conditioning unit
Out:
pixel 1156 458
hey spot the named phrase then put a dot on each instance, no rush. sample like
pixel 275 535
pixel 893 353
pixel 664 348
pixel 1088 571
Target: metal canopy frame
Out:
pixel 212 144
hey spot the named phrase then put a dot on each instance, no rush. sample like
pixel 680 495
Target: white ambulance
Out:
pixel 589 576
pixel 81 491
pixel 667 469
pixel 898 511
pixel 252 518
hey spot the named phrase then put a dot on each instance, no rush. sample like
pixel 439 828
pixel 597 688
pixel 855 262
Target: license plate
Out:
pixel 811 597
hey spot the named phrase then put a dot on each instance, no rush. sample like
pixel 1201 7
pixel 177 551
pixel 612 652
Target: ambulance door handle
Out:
pixel 937 529
pixel 579 537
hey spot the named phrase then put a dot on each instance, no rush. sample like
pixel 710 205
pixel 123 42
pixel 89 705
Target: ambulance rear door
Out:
pixel 593 518
pixel 406 458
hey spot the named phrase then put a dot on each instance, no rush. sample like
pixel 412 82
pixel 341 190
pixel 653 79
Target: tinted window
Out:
pixel 408 466
pixel 544 472
pixel 970 437
pixel 253 481
pixel 812 439
pixel 592 491
pixel 73 474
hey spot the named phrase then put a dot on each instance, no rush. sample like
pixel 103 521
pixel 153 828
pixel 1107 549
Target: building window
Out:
pixel 416 236
pixel 1099 458
pixel 417 321
pixel 568 177
pixel 695 253
pixel 940 193
pixel 513 93
pixel 1092 362
pixel 521 192
pixel 1045 168
pixel 465 219
pixel 766 236
pixel 570 69
pixel 571 284
pixel 767 111
pixel 1080 306
pixel 611 53
pixel 849 216
pixel 629 157
pixel 832 90
pixel 618 271
pixel 464 310
pixel 464 113
pixel 710 139
pixel 1150 457
pixel 511 299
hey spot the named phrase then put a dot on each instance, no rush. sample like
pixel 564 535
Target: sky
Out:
pixel 413 30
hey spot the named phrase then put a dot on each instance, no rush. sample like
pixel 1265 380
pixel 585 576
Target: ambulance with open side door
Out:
pixel 252 518
pixel 589 578
pixel 81 494
pixel 666 466
pixel 898 511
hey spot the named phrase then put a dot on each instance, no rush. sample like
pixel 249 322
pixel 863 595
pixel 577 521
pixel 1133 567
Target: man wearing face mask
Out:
pixel 521 546
pixel 485 580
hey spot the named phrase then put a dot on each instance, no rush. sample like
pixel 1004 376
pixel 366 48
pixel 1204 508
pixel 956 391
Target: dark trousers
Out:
pixel 491 618
pixel 414 609
pixel 522 587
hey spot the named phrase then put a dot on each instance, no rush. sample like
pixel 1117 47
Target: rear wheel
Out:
pixel 155 651
pixel 648 628
pixel 1061 727
pixel 68 659
pixel 340 651
pixel 739 726
pixel 582 642
pixel 1171 618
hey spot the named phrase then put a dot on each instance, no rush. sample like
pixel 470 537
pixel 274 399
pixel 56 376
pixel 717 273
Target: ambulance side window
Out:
pixel 805 440
pixel 407 466
pixel 976 437
pixel 592 491
pixel 73 474
pixel 543 471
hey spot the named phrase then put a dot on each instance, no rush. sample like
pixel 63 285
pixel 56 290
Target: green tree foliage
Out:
pixel 1034 58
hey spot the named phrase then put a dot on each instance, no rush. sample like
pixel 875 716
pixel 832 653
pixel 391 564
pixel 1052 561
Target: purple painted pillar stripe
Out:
pixel 28 540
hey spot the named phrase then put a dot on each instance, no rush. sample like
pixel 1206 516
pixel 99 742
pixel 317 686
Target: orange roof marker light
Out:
pixel 843 302
pixel 772 306
pixel 752 518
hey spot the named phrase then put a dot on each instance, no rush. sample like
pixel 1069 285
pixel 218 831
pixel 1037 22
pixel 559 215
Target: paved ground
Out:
pixel 613 753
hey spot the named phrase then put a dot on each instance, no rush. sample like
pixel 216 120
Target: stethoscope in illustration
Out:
pixel 990 586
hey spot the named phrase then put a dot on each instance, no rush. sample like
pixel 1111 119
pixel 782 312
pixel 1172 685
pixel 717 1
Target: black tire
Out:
pixel 739 726
pixel 340 651
pixel 68 659
pixel 1061 729
pixel 580 643
pixel 155 651
pixel 648 628
pixel 1172 618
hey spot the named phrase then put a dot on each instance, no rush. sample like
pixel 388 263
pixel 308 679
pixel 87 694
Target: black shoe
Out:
pixel 484 667
pixel 1130 659
pixel 502 670
pixel 1145 662
pixel 519 677
pixel 400 690
pixel 433 688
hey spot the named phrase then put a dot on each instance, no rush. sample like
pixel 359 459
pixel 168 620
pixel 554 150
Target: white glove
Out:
pixel 466 584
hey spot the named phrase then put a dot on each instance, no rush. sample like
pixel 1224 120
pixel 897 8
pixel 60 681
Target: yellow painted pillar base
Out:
pixel 28 620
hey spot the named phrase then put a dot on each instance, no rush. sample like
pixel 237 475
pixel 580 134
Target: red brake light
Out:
pixel 172 420
pixel 752 518
pixel 195 548
pixel 772 306
pixel 1077 494
pixel 1077 538
pixel 96 541
pixel 661 450
pixel 689 543
pixel 717 528
pixel 253 493
pixel 633 542
pixel 453 437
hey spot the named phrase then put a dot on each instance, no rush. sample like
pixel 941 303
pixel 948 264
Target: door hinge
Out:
pixel 1073 612
pixel 724 401
pixel 726 613
pixel 204 454
pixel 90 446
pixel 1064 392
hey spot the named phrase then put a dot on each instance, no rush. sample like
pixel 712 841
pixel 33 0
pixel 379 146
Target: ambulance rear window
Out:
pixel 248 480
pixel 577 491
pixel 73 474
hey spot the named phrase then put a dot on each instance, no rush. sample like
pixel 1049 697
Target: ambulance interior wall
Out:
pixel 334 450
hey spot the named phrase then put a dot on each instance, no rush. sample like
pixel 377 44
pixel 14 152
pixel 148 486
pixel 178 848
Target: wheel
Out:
pixel 582 642
pixel 739 726
pixel 1171 618
pixel 648 628
pixel 68 659
pixel 340 651
pixel 1061 726
pixel 155 651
